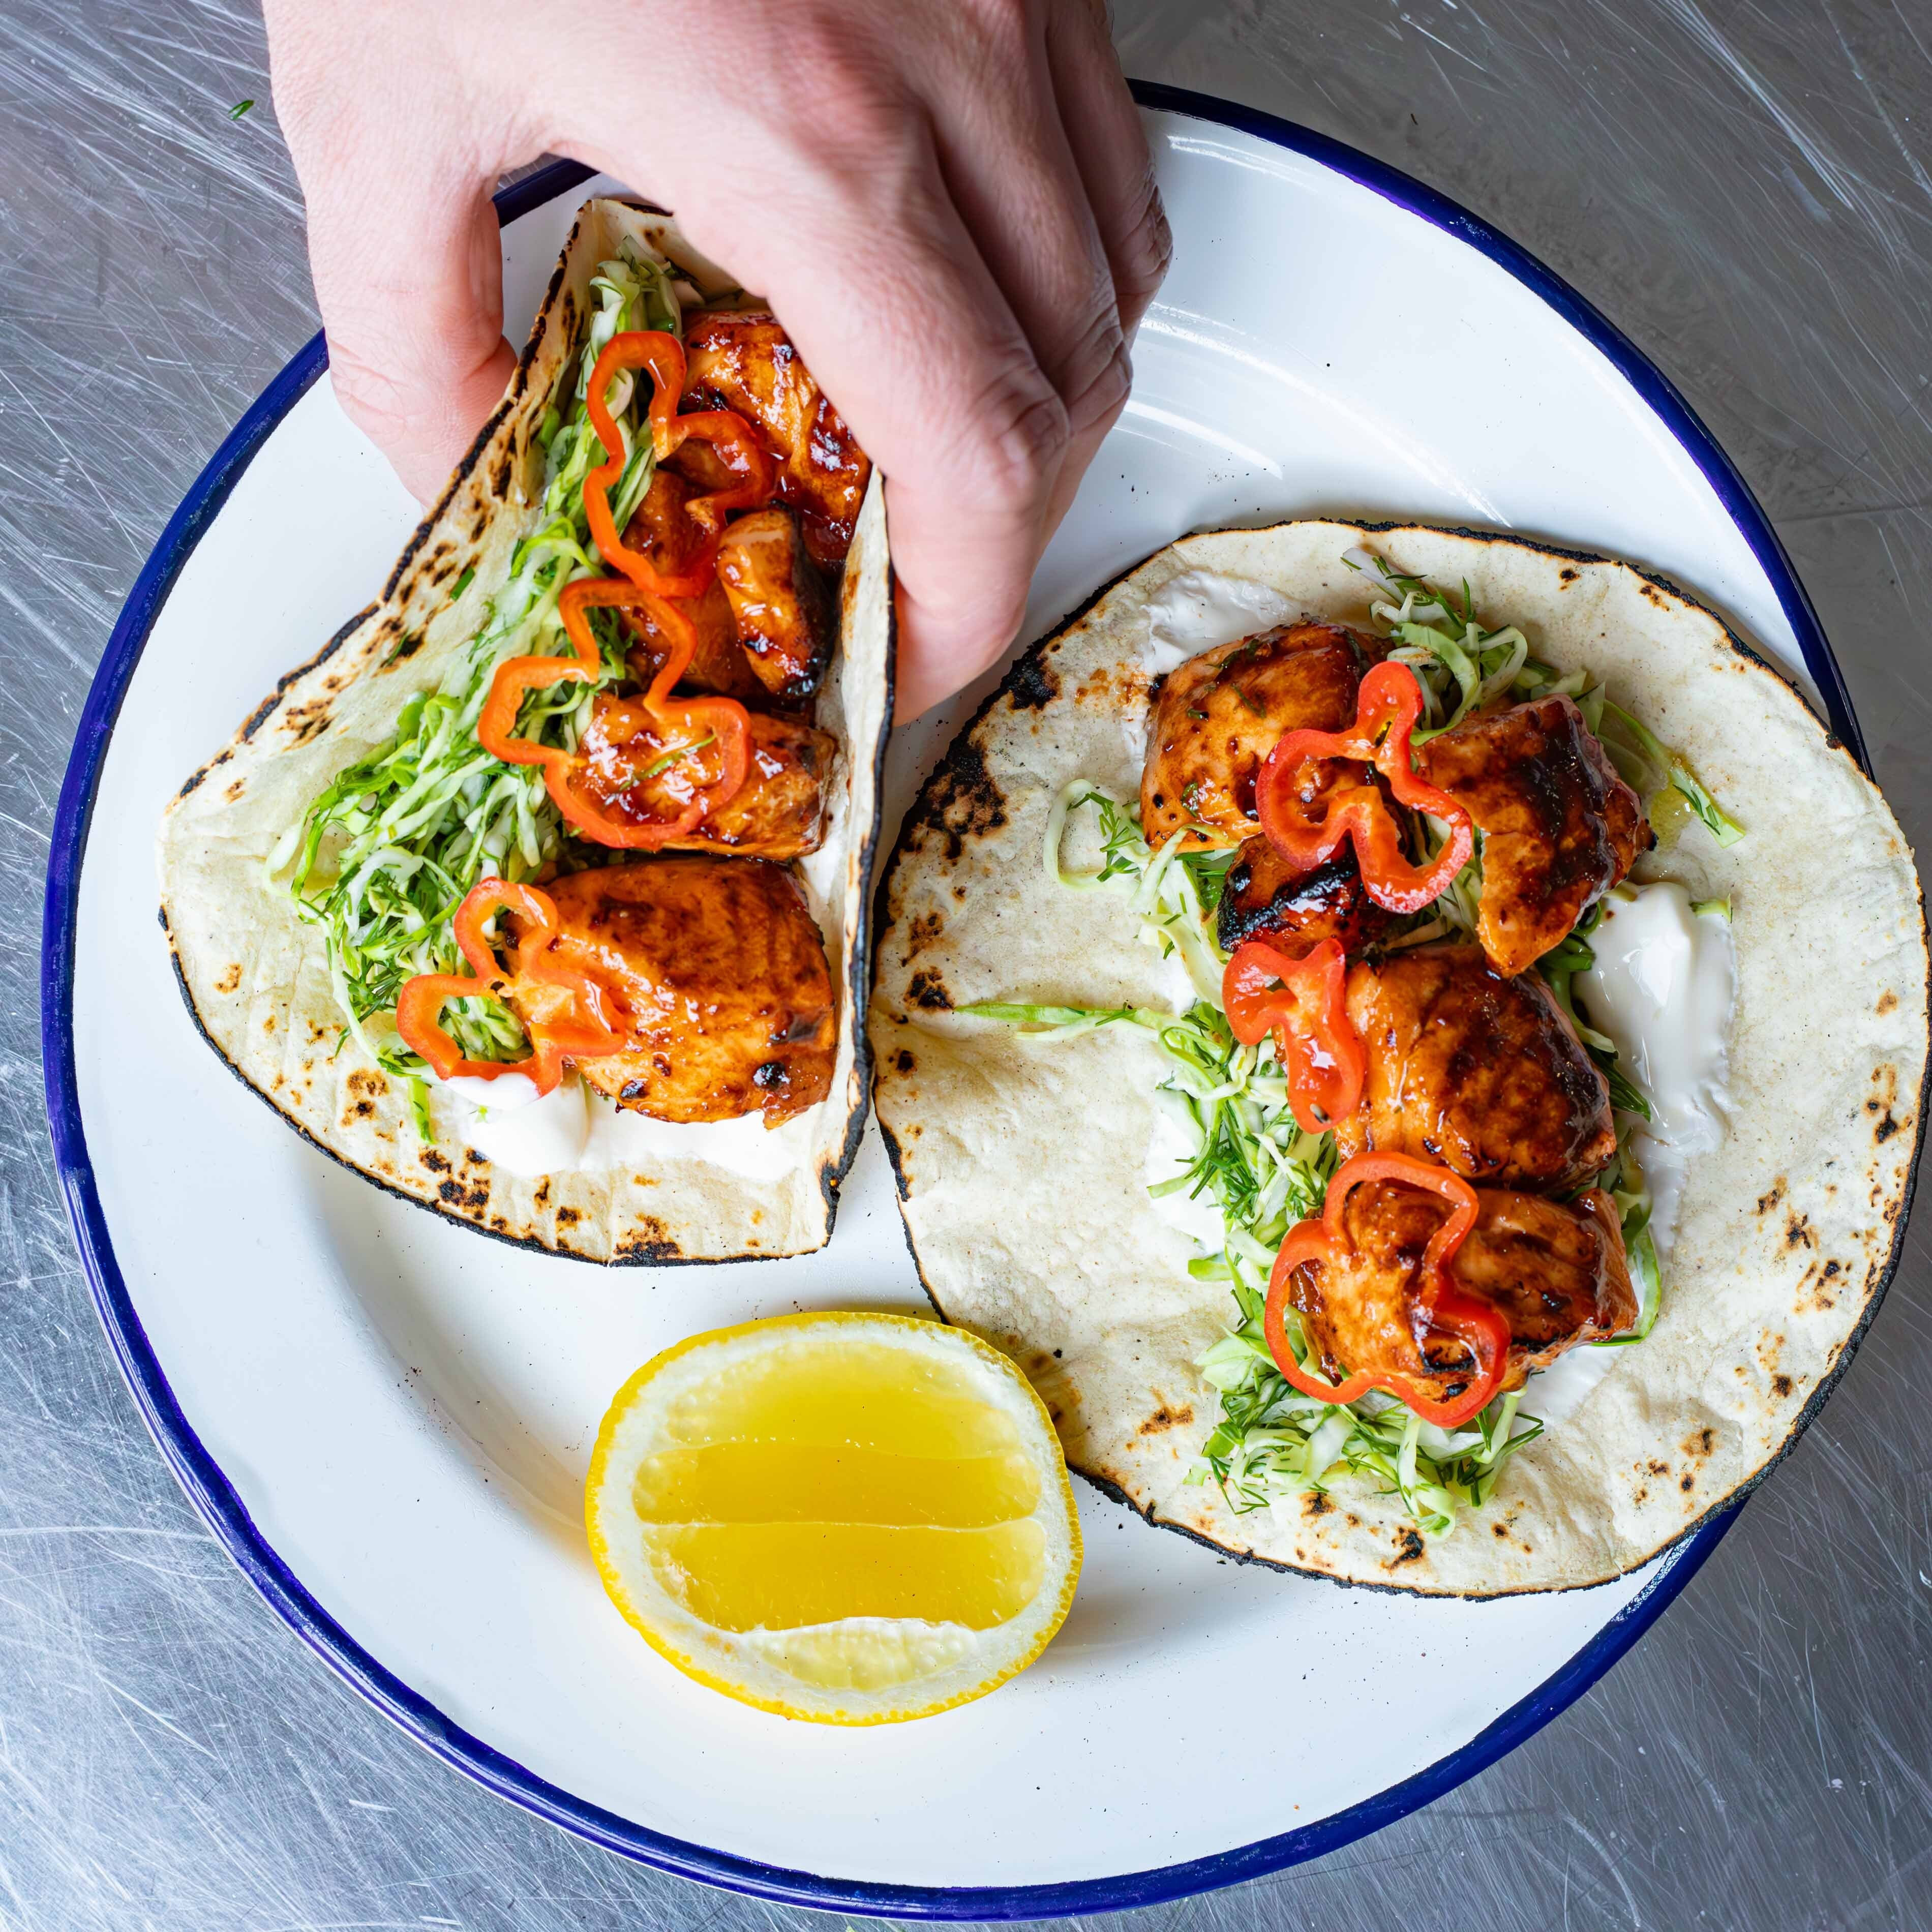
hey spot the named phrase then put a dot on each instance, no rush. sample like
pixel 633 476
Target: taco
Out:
pixel 1415 1040
pixel 539 895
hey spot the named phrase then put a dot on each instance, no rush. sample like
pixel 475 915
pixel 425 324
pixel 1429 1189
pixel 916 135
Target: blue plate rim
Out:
pixel 228 1517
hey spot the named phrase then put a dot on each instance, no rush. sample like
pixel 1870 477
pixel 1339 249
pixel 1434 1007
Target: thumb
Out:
pixel 404 246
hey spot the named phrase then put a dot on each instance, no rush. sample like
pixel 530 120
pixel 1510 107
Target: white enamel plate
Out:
pixel 388 1419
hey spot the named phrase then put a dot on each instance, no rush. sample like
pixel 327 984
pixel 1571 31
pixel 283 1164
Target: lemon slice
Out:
pixel 854 1519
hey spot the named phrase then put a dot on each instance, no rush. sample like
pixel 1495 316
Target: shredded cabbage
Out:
pixel 1262 1172
pixel 383 856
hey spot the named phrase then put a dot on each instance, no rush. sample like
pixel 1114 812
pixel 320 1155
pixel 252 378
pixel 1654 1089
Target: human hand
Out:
pixel 949 204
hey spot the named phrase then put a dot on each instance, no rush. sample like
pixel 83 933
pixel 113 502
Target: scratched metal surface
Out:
pixel 1748 189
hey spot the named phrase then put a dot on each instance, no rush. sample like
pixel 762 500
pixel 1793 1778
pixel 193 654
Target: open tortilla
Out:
pixel 1021 1164
pixel 254 972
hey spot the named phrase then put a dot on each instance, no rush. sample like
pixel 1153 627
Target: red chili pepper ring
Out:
pixel 1387 708
pixel 1440 1304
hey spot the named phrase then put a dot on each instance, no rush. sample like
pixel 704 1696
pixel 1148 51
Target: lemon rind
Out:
pixel 1037 1625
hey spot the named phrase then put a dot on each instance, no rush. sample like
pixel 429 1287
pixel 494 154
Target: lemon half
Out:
pixel 853 1519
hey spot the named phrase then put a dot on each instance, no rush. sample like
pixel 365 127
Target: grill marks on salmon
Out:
pixel 717 973
pixel 1560 827
pixel 742 359
pixel 1481 1073
pixel 1220 715
pixel 1471 1063
pixel 1555 1270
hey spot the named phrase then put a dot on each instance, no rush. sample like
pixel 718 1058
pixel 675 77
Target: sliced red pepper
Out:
pixel 727 432
pixel 587 1033
pixel 1441 1304
pixel 1321 1051
pixel 586 787
pixel 1387 708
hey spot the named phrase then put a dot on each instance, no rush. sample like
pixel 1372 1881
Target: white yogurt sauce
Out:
pixel 823 874
pixel 1664 989
pixel 1200 609
pixel 620 1137
pixel 513 1127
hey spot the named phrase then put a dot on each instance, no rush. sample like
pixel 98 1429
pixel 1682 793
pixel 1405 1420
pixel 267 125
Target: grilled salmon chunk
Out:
pixel 741 359
pixel 778 813
pixel 1557 1271
pixel 1559 826
pixel 781 603
pixel 716 971
pixel 670 538
pixel 1220 715
pixel 1481 1073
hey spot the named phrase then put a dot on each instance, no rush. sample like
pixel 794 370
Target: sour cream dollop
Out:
pixel 1200 609
pixel 1664 989
pixel 1171 1151
pixel 528 1134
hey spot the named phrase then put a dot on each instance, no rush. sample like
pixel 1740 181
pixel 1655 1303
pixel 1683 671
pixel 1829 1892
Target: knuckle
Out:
pixel 1095 375
pixel 1004 21
pixel 844 105
pixel 1146 250
pixel 373 398
pixel 1103 398
pixel 862 153
pixel 1027 432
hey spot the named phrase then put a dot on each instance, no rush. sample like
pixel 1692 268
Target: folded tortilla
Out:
pixel 1021 1165
pixel 254 972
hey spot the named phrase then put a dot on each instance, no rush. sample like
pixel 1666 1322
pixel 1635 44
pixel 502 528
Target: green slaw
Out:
pixel 1260 1171
pixel 383 856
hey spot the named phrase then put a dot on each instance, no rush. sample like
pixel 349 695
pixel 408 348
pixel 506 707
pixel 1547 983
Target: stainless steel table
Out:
pixel 1746 189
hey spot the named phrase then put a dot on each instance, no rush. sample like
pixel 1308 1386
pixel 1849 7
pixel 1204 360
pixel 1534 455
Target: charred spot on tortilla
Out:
pixel 1033 684
pixel 960 800
pixel 923 931
pixel 650 1240
pixel 926 988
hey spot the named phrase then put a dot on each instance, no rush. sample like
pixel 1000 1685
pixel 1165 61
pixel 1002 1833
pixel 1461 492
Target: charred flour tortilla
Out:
pixel 1020 1166
pixel 254 971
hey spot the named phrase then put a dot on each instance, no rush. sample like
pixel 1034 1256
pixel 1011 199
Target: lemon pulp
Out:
pixel 856 1519
pixel 839 1482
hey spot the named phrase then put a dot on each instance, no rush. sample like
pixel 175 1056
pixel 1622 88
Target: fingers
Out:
pixel 412 299
pixel 861 251
pixel 1010 169
pixel 404 247
pixel 947 201
pixel 1110 150
pixel 930 244
pixel 1013 171
pixel 1116 173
